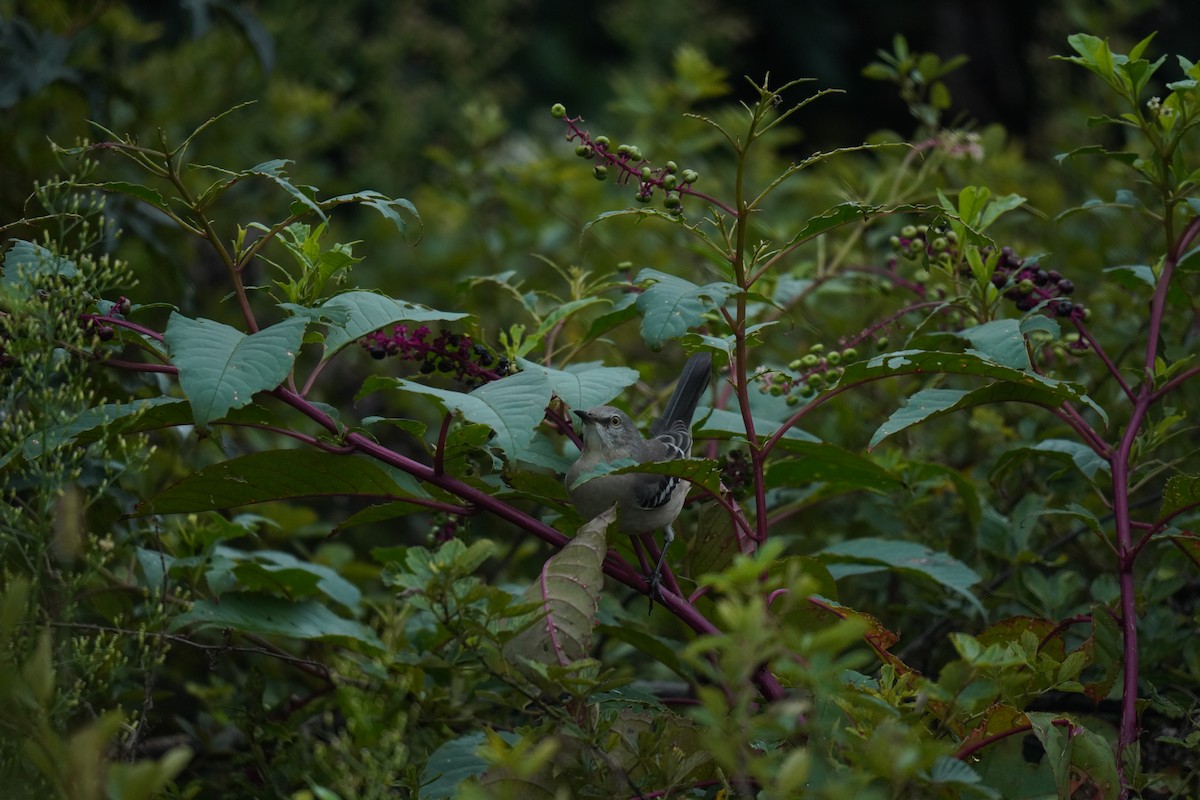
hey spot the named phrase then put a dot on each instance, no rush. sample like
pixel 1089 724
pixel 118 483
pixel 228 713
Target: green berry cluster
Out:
pixel 804 377
pixel 627 162
pixel 921 243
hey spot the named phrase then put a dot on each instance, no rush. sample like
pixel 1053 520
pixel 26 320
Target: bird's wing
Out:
pixel 656 490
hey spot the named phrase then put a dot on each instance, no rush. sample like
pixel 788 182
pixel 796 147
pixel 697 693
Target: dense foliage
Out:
pixel 283 504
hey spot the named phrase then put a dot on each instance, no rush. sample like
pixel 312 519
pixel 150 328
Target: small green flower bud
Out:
pixel 558 111
pixel 600 172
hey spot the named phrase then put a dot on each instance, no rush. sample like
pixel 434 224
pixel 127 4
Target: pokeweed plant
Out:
pixel 795 687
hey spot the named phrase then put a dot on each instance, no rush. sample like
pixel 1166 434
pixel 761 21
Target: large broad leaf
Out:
pixel 1001 341
pixel 827 463
pixel 1012 384
pixel 273 616
pixel 282 573
pixel 275 475
pixel 90 419
pixel 720 423
pixel 512 406
pixel 222 368
pixel 568 593
pixel 25 261
pixel 365 312
pixel 859 556
pixel 454 762
pixel 1082 761
pixel 583 386
pixel 671 305
pixel 392 209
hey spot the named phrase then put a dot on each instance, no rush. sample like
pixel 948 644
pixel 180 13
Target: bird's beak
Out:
pixel 584 416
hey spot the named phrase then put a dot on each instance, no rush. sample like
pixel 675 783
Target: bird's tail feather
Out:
pixel 692 384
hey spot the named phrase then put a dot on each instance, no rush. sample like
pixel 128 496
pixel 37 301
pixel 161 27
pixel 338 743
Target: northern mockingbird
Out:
pixel 646 502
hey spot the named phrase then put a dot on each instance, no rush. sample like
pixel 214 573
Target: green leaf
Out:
pixel 721 423
pixel 222 368
pixel 699 471
pixel 670 306
pixel 392 209
pixel 830 464
pixel 1180 492
pixel 143 193
pixel 568 595
pixel 367 311
pixel 88 420
pixel 1082 761
pixel 512 406
pixel 454 762
pixel 274 475
pixel 25 262
pixel 272 570
pixel 1001 341
pixel 929 404
pixel 904 557
pixel 583 386
pixel 273 616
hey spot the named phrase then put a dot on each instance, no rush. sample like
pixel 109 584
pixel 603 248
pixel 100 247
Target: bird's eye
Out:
pixel 614 421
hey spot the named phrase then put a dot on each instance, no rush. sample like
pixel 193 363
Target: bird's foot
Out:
pixel 655 583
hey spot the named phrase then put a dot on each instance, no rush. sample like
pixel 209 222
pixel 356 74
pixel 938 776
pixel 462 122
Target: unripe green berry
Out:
pixel 792 400
pixel 810 361
pixel 690 176
pixel 642 197
pixel 881 342
pixel 817 348
pixel 585 151
pixel 671 201
pixel 834 357
pixel 832 375
pixel 670 182
pixel 647 173
pixel 635 153
pixel 623 150
pixel 672 167
pixel 939 243
pixel 806 390
pixel 601 142
pixel 1025 286
pixel 600 172
pixel 849 354
pixel 909 231
pixel 776 391
pixel 815 380
pixel 558 111
pixel 894 242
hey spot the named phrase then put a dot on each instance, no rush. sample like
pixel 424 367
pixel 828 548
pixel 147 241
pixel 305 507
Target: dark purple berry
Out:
pixel 1064 308
pixel 105 333
pixel 1065 286
pixel 378 353
pixel 1025 303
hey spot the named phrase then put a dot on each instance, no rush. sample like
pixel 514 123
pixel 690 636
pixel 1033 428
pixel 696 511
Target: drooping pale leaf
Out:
pixel 367 311
pixel 25 262
pixel 827 463
pixel 274 475
pixel 670 305
pixel 222 368
pixel 1180 492
pixel 568 594
pixel 265 615
pixel 274 171
pixel 584 386
pixel 903 556
pixel 512 406
pixel 454 762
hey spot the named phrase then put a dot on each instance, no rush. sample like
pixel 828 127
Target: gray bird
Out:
pixel 645 503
